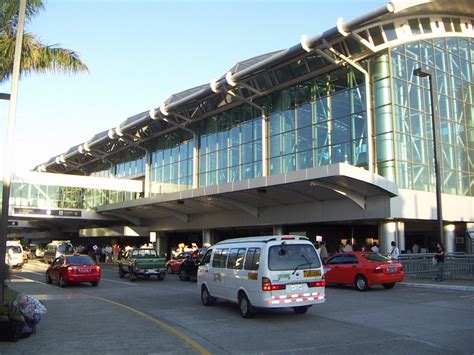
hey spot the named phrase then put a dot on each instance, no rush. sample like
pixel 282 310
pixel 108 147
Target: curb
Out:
pixel 438 287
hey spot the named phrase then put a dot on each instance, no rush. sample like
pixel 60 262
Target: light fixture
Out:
pixel 111 133
pixel 214 86
pixel 163 110
pixel 152 114
pixel 230 80
pixel 305 43
pixel 118 132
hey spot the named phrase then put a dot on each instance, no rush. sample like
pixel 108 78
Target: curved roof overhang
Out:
pixel 337 182
pixel 255 77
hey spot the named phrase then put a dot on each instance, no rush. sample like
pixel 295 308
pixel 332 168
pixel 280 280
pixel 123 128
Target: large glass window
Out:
pixel 451 60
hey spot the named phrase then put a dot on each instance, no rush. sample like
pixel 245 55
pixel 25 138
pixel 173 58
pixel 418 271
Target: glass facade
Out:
pixel 45 196
pixel 452 62
pixel 172 164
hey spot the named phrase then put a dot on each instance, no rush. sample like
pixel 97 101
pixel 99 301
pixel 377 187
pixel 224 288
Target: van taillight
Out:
pixel 267 285
pixel 321 283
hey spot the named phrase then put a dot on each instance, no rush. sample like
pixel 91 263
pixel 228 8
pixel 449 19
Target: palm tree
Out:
pixel 35 56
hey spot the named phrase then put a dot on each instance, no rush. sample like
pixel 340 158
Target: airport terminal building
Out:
pixel 333 137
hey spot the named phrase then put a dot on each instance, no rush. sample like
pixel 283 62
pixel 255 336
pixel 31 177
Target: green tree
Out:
pixel 35 56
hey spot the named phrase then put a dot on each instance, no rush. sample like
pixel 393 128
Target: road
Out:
pixel 397 321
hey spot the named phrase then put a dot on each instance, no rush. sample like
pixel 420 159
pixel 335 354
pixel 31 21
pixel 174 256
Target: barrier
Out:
pixel 457 266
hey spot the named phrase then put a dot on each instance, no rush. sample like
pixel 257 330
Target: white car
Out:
pixel 14 254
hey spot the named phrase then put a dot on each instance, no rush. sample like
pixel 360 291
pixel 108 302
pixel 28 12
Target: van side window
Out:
pixel 220 258
pixel 236 258
pixel 252 260
pixel 207 258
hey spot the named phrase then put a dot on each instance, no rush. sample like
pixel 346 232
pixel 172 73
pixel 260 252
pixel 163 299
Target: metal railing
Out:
pixel 457 266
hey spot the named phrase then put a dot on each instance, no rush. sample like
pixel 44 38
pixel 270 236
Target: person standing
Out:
pixel 323 251
pixel 375 248
pixel 348 246
pixel 439 262
pixel 115 251
pixel 415 249
pixel 395 252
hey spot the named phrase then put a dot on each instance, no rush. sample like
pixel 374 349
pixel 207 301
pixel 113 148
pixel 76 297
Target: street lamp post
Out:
pixel 428 73
pixel 9 146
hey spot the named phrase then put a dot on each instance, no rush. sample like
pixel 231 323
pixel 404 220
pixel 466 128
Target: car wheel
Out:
pixel 361 283
pixel 95 283
pixel 48 278
pixel 183 274
pixel 131 275
pixel 206 298
pixel 389 286
pixel 62 283
pixel 161 276
pixel 169 269
pixel 121 272
pixel 301 309
pixel 246 308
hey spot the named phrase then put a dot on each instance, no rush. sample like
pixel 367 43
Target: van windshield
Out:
pixel 292 256
pixel 14 249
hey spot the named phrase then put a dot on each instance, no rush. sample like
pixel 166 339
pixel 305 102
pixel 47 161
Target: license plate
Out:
pixel 392 269
pixel 312 273
pixel 84 270
pixel 298 287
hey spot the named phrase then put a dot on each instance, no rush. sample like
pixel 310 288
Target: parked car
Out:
pixel 14 254
pixel 56 249
pixel 172 265
pixel 363 270
pixel 73 269
pixel 142 262
pixel 188 268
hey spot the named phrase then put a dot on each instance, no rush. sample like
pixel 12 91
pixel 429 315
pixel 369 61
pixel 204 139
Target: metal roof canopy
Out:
pixel 333 182
pixel 252 78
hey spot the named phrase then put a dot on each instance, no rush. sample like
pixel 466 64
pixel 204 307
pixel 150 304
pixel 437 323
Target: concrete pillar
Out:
pixel 207 237
pixel 387 234
pixel 401 236
pixel 277 230
pixel 161 245
pixel 449 238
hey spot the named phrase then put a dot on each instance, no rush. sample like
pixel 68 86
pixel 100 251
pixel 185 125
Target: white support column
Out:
pixel 401 236
pixel 449 236
pixel 147 187
pixel 387 235
pixel 277 230
pixel 264 144
pixel 207 237
pixel 195 162
pixel 161 245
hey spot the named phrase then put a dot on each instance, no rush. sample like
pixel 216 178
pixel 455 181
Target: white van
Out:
pixel 14 254
pixel 263 272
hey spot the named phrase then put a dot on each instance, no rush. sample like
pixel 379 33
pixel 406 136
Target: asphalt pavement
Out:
pixel 62 328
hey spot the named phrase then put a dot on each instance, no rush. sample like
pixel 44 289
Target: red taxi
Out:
pixel 363 269
pixel 73 269
pixel 172 265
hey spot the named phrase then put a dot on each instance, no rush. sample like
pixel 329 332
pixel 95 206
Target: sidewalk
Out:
pixel 78 324
pixel 454 285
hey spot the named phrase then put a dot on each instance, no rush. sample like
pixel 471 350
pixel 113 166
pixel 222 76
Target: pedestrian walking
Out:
pixel 439 256
pixel 375 248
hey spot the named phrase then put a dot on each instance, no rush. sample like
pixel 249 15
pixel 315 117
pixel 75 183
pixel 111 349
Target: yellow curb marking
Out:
pixel 163 325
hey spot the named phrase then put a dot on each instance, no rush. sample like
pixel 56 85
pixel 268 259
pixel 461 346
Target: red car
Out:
pixel 172 265
pixel 363 269
pixel 73 268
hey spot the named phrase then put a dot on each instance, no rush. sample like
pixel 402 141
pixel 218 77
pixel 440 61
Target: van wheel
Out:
pixel 361 283
pixel 246 308
pixel 206 298
pixel 48 278
pixel 62 283
pixel 183 274
pixel 389 286
pixel 301 309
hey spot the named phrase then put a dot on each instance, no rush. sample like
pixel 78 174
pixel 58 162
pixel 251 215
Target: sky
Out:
pixel 139 52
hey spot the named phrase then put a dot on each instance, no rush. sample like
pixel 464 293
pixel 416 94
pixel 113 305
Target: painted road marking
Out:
pixel 119 282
